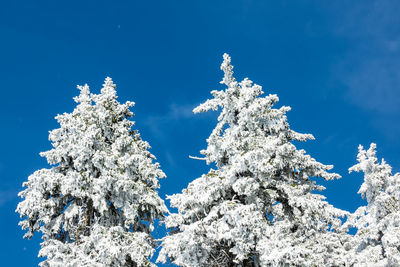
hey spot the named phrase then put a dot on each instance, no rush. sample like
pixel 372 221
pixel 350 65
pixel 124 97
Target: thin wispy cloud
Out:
pixel 375 83
pixel 371 69
pixel 177 112
pixel 158 122
pixel 7 195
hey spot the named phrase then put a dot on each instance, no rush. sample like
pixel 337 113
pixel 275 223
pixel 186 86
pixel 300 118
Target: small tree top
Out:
pixel 377 240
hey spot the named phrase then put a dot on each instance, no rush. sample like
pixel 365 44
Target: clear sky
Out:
pixel 336 63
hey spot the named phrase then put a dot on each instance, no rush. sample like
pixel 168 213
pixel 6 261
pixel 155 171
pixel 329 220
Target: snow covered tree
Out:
pixel 258 207
pixel 97 204
pixel 377 240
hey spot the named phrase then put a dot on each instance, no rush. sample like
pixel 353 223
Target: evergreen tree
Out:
pixel 258 207
pixel 377 240
pixel 97 204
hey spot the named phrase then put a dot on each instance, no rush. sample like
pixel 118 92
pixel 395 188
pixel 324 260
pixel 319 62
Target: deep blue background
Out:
pixel 336 64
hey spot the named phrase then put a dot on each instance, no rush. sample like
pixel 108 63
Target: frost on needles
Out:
pixel 377 240
pixel 258 206
pixel 97 204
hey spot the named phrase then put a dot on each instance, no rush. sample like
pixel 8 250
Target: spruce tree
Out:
pixel 97 203
pixel 258 206
pixel 377 240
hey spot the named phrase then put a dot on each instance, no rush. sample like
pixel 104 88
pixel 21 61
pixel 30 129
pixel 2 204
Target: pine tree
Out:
pixel 97 204
pixel 377 240
pixel 257 207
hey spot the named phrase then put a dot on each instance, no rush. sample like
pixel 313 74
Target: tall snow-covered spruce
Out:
pixel 377 240
pixel 97 204
pixel 258 206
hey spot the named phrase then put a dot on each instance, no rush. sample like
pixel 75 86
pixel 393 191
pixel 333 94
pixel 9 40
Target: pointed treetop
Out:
pixel 84 96
pixel 108 91
pixel 376 174
pixel 108 83
pixel 366 159
pixel 227 68
pixel 239 103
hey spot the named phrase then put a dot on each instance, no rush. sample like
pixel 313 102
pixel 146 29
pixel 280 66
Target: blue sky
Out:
pixel 336 63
